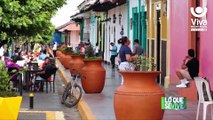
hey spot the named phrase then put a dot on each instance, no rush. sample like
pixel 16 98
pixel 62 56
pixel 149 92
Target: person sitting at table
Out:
pixel 47 70
pixel 13 68
pixel 43 55
pixel 17 56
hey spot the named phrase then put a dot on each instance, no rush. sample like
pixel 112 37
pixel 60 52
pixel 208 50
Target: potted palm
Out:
pixel 9 101
pixel 140 92
pixel 93 73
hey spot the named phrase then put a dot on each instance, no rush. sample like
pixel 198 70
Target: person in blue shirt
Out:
pixel 113 54
pixel 126 56
pixel 43 55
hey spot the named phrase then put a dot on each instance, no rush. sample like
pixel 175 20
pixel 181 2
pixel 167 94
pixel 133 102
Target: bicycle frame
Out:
pixel 74 82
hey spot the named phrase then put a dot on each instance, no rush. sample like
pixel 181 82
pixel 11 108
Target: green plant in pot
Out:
pixel 89 54
pixel 67 50
pixel 139 91
pixel 143 63
pixel 75 52
pixel 9 101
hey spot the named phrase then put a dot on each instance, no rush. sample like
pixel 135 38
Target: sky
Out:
pixel 63 14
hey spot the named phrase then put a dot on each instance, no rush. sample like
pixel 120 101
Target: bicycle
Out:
pixel 68 97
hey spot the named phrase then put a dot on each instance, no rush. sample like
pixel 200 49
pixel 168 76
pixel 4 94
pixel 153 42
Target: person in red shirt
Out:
pixel 47 61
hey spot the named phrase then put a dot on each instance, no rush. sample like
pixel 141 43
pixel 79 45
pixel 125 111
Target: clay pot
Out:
pixel 61 58
pixel 93 76
pixel 58 53
pixel 76 63
pixel 66 59
pixel 139 98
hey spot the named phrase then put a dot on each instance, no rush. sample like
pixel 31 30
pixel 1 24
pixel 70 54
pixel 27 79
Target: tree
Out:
pixel 29 18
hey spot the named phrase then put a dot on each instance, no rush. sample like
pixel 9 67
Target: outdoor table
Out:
pixel 28 74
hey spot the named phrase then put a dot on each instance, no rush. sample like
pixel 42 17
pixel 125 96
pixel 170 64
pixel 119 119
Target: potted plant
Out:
pixel 76 63
pixel 66 57
pixel 93 73
pixel 143 63
pixel 9 101
pixel 139 93
pixel 59 54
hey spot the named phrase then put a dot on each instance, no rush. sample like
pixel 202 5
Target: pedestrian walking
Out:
pixel 113 54
pixel 96 50
pixel 118 49
pixel 54 48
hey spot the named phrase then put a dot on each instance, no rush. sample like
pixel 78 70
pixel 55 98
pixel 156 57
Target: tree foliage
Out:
pixel 29 18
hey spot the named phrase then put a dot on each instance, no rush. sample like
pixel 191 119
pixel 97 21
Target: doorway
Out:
pixel 158 40
pixel 103 39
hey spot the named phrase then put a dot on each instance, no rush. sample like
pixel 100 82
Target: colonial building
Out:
pixel 67 33
pixel 183 37
pixel 158 37
pixel 162 26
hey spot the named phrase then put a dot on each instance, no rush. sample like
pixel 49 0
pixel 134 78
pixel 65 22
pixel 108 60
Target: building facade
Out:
pixel 163 28
pixel 137 27
pixel 68 33
pixel 158 37
pixel 115 28
pixel 183 38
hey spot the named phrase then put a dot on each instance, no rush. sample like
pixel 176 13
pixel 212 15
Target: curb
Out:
pixel 85 112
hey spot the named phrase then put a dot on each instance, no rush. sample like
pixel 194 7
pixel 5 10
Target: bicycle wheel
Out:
pixel 66 92
pixel 71 99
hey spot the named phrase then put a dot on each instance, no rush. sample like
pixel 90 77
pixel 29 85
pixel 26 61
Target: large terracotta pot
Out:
pixel 66 59
pixel 58 53
pixel 139 98
pixel 93 76
pixel 76 64
pixel 62 58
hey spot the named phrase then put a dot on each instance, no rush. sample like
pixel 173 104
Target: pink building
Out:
pixel 182 38
pixel 71 31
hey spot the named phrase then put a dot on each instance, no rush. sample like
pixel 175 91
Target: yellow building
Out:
pixel 158 36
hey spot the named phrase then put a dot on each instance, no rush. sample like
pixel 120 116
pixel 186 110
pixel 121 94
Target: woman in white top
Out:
pixel 96 50
pixel 54 48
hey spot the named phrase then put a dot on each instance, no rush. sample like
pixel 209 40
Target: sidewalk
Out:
pixel 100 106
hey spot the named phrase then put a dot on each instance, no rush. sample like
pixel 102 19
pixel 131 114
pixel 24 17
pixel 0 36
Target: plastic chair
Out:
pixel 46 81
pixel 52 80
pixel 199 84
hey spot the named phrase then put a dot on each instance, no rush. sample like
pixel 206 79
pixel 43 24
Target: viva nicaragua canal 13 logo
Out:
pixel 199 23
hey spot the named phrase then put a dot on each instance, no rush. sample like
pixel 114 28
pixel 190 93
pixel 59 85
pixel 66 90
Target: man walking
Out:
pixel 113 54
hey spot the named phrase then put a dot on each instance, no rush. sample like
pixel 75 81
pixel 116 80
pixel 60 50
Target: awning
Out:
pixel 104 1
pixel 105 5
pixel 86 4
